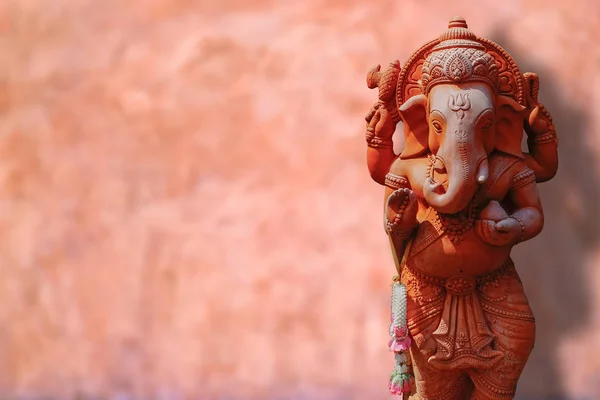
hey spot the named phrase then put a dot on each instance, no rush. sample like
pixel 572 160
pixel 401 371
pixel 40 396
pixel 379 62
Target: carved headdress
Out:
pixel 457 56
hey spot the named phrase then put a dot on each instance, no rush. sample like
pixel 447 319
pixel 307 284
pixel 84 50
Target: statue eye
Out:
pixel 437 127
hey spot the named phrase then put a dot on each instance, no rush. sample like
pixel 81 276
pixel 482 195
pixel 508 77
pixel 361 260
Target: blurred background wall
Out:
pixel 186 212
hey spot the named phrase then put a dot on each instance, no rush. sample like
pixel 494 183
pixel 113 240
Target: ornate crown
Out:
pixel 458 55
pixel 458 58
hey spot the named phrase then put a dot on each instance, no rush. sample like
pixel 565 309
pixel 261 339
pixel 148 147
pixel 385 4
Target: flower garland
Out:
pixel 400 381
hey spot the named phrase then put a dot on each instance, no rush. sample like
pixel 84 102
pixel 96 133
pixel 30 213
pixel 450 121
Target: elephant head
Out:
pixel 459 118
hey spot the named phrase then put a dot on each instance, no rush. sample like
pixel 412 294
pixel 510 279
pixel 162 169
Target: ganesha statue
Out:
pixel 458 196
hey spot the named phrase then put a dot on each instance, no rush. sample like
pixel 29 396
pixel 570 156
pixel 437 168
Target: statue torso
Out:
pixel 448 245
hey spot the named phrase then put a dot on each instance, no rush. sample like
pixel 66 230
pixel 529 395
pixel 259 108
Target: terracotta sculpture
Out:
pixel 458 197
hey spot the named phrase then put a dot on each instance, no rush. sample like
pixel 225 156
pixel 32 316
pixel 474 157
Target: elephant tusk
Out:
pixel 483 171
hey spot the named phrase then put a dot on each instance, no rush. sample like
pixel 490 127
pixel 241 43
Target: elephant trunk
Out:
pixel 466 167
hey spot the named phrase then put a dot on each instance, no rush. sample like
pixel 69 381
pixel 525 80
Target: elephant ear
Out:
pixel 416 128
pixel 509 127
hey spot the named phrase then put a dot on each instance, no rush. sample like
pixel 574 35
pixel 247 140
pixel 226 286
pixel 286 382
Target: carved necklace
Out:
pixel 455 225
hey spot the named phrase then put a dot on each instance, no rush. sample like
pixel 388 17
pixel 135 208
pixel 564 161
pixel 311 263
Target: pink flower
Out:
pixel 395 388
pixel 399 345
pixel 400 383
pixel 400 332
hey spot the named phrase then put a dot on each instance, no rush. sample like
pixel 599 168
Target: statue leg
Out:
pixel 433 384
pixel 425 302
pixel 511 320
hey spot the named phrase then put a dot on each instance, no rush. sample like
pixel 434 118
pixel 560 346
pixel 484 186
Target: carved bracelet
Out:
pixel 522 227
pixel 523 179
pixel 396 181
pixel 547 137
pixel 377 142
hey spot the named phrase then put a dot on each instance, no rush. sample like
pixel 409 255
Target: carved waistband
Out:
pixel 461 284
pixel 463 339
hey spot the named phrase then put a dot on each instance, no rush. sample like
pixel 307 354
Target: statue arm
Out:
pixel 528 208
pixel 543 172
pixel 400 215
pixel 542 145
pixel 382 121
pixel 541 135
pixel 380 148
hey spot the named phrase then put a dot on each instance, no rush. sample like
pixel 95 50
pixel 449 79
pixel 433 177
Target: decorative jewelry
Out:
pixel 522 224
pixel 376 142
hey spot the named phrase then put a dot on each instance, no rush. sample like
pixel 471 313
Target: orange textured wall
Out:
pixel 186 212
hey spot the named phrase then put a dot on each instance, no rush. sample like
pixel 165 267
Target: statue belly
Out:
pixel 471 256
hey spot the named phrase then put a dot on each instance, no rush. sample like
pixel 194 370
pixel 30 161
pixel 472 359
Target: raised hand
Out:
pixel 383 117
pixel 539 121
pixel 401 212
pixel 380 123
